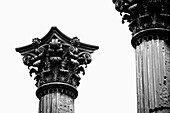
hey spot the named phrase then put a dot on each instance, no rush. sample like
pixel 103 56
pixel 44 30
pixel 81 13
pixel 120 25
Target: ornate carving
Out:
pixel 57 61
pixel 144 14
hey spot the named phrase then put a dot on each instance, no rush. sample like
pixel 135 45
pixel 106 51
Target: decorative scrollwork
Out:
pixel 84 58
pixel 28 59
pixel 144 14
pixel 57 61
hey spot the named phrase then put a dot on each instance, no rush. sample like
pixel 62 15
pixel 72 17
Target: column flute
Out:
pixel 149 22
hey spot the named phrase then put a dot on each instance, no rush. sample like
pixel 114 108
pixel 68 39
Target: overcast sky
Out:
pixel 109 85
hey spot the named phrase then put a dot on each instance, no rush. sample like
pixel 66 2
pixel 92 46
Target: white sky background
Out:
pixel 109 85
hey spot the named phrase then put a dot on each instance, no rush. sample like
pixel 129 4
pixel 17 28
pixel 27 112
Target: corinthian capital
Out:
pixel 57 58
pixel 144 15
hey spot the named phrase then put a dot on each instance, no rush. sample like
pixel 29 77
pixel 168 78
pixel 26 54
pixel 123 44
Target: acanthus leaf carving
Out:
pixel 136 12
pixel 57 61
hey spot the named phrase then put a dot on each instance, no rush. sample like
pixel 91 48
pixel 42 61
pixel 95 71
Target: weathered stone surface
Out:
pixel 150 27
pixel 57 62
pixel 153 89
pixel 56 103
pixel 144 14
pixel 57 58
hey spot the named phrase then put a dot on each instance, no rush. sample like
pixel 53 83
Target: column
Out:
pixel 150 27
pixel 56 98
pixel 57 63
pixel 152 75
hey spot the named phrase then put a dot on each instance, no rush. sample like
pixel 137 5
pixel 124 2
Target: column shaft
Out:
pixel 56 103
pixel 153 77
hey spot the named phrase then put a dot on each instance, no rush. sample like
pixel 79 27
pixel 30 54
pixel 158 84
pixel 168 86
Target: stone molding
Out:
pixel 150 34
pixel 144 15
pixel 54 87
pixel 57 58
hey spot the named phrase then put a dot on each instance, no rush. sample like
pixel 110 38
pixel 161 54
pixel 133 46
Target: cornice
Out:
pixel 55 32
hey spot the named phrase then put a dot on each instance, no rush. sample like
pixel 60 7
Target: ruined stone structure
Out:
pixel 149 22
pixel 57 62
